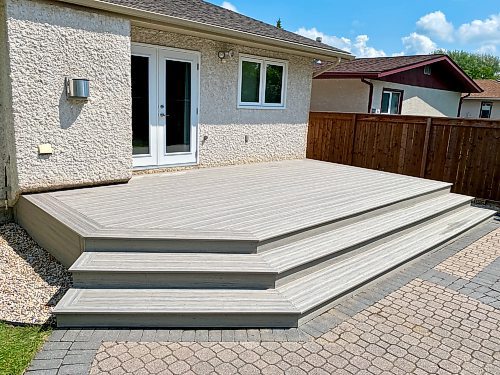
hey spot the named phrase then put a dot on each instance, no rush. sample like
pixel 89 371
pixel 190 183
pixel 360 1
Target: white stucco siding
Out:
pixel 91 140
pixel 470 108
pixel 273 134
pixel 420 101
pixel 339 95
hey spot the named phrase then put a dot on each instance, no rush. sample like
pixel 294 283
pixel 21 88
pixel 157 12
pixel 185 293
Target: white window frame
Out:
pixel 391 92
pixel 264 62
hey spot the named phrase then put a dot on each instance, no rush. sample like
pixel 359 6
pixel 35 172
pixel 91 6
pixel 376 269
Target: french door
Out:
pixel 165 88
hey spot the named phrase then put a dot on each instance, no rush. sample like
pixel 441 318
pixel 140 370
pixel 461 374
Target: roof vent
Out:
pixel 319 39
pixel 427 70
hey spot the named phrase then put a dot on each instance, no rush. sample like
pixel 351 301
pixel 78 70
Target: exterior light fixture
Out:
pixel 224 55
pixel 77 88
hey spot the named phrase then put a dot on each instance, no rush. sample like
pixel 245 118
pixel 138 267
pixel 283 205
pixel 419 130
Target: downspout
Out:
pixel 370 94
pixel 460 103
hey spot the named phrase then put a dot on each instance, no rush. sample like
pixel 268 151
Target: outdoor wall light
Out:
pixel 77 88
pixel 224 55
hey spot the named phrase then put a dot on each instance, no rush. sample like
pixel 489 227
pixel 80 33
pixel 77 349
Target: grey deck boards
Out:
pixel 255 199
pixel 264 245
pixel 314 289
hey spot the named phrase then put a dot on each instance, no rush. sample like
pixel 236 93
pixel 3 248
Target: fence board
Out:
pixel 465 152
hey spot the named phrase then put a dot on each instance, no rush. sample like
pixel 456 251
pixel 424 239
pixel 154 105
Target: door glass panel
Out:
pixel 250 82
pixel 178 106
pixel 140 105
pixel 274 83
pixel 385 102
pixel 395 102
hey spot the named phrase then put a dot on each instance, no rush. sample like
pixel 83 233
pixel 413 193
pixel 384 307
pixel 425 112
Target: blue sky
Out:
pixel 368 28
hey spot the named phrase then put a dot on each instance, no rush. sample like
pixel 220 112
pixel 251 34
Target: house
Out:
pixel 238 90
pixel 484 104
pixel 94 91
pixel 427 85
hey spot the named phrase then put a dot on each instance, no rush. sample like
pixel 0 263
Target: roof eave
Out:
pixel 147 18
pixel 347 75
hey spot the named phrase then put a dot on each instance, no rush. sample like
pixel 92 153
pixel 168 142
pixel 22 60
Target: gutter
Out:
pixel 370 94
pixel 148 18
pixel 460 103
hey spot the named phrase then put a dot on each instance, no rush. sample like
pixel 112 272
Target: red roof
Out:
pixel 491 89
pixel 379 67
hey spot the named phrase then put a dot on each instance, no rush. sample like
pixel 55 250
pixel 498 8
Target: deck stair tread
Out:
pixel 297 253
pixel 272 261
pixel 185 301
pixel 92 261
pixel 314 289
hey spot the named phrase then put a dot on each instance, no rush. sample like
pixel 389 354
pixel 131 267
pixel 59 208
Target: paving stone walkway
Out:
pixel 440 314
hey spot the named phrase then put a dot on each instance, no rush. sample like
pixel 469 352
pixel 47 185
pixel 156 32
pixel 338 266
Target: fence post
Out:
pixel 426 147
pixel 354 121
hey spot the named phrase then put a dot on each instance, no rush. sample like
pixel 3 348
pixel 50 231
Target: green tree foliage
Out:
pixel 476 65
pixel 278 23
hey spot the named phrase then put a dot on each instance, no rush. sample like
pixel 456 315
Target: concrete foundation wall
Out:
pixel 91 140
pixel 272 134
pixel 7 145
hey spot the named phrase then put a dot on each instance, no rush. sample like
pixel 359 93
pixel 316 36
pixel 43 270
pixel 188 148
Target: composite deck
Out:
pixel 258 245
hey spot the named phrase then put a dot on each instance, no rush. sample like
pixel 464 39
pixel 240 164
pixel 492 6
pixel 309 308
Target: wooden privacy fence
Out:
pixel 465 152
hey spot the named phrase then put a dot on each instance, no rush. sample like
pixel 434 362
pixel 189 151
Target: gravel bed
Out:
pixel 31 280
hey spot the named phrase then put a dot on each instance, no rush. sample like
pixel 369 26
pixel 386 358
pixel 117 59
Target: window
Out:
pixel 391 101
pixel 262 83
pixel 485 110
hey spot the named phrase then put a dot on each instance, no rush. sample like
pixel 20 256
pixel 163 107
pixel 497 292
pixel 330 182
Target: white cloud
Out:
pixel 418 44
pixel 229 6
pixel 435 24
pixel 331 40
pixel 483 31
pixel 359 47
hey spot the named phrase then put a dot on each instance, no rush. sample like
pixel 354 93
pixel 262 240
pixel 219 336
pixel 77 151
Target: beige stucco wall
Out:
pixel 420 101
pixel 91 140
pixel 470 108
pixel 339 95
pixel 273 134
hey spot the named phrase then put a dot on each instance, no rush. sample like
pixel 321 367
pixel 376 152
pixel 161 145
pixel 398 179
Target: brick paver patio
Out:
pixel 440 314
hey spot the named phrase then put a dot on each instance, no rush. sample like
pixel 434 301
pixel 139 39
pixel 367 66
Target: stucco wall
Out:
pixel 351 95
pixel 420 100
pixel 91 140
pixel 273 134
pixel 339 95
pixel 470 108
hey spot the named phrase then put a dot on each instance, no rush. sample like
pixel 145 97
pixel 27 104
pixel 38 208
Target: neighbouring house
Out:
pixel 484 104
pixel 426 85
pixel 92 90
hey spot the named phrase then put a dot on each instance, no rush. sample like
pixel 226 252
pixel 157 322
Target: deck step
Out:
pixel 315 291
pixel 246 271
pixel 300 255
pixel 170 270
pixel 174 308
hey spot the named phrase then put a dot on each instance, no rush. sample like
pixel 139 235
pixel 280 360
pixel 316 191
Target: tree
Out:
pixel 476 65
pixel 278 23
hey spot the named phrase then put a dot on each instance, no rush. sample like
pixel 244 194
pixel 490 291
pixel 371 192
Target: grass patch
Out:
pixel 18 346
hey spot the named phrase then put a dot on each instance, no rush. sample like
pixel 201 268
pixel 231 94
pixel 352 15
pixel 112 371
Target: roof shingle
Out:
pixel 491 89
pixel 381 64
pixel 210 14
